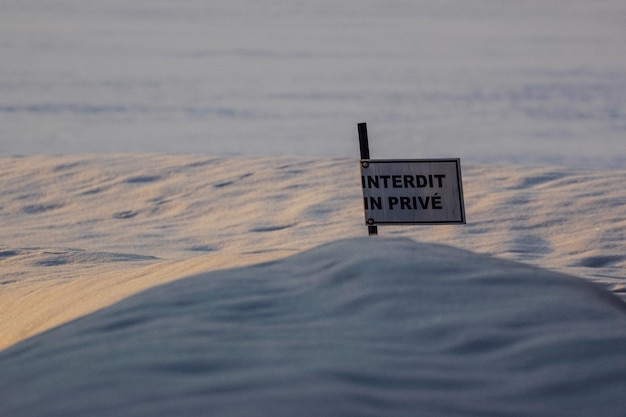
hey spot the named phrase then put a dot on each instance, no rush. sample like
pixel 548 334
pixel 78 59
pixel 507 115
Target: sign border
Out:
pixel 457 161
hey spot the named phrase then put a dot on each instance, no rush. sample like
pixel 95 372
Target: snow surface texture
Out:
pixel 360 327
pixel 534 81
pixel 81 232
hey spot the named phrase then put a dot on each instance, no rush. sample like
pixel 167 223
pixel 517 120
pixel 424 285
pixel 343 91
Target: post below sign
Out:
pixel 426 191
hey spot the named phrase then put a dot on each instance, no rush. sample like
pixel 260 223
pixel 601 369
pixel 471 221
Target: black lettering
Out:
pixel 373 203
pixel 405 203
pixel 372 181
pixel 402 181
pixel 436 202
pixel 424 203
pixel 392 202
pixel 376 203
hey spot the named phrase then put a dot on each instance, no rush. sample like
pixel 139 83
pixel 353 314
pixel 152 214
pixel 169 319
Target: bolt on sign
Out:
pixel 418 191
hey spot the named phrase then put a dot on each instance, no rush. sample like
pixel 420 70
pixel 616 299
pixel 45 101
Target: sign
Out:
pixel 418 191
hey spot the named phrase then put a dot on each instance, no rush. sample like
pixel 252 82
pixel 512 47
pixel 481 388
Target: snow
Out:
pixel 338 330
pixel 182 218
pixel 538 81
pixel 354 327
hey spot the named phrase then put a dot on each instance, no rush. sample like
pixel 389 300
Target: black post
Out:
pixel 365 154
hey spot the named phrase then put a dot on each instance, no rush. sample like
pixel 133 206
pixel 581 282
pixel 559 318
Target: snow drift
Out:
pixel 367 326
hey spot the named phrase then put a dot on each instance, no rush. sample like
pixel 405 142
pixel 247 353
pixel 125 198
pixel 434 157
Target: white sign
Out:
pixel 427 191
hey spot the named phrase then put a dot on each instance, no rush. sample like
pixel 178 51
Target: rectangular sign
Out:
pixel 417 191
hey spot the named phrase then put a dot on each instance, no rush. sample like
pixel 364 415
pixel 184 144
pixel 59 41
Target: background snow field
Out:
pixel 537 81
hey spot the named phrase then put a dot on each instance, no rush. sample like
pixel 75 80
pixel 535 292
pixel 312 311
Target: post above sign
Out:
pixel 410 191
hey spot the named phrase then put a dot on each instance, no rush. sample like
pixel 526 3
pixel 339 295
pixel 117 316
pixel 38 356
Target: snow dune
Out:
pixel 354 327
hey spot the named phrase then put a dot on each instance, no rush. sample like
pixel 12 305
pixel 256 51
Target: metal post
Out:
pixel 365 154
